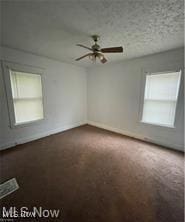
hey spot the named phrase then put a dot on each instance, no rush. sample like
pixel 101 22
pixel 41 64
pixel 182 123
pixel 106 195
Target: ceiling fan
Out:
pixel 96 51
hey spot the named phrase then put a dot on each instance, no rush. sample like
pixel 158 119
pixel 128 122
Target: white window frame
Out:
pixel 7 66
pixel 145 73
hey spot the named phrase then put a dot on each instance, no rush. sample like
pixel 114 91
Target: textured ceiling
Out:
pixel 52 28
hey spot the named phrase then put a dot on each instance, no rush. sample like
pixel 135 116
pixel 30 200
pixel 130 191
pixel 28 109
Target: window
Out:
pixel 27 96
pixel 160 98
pixel 24 93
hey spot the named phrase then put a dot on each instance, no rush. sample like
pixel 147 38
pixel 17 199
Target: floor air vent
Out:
pixel 8 187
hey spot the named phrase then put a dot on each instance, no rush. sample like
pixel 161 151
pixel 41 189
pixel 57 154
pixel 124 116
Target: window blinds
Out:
pixel 161 93
pixel 27 96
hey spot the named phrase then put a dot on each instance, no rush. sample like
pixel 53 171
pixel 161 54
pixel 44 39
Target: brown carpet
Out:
pixel 94 175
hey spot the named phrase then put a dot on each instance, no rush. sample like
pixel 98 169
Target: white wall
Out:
pixel 114 94
pixel 65 98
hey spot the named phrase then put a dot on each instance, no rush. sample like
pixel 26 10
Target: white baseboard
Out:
pixel 137 136
pixel 100 125
pixel 40 135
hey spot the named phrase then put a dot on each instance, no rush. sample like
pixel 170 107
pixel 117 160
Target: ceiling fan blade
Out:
pixel 83 46
pixel 83 56
pixel 112 50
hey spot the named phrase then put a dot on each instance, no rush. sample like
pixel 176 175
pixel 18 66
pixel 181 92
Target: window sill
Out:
pixel 159 125
pixel 26 124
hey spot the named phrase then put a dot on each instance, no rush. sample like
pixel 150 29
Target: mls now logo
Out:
pixel 11 213
pixel 24 212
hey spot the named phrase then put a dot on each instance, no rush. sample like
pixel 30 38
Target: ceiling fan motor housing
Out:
pixel 95 47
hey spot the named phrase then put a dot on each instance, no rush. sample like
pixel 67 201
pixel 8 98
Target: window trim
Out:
pixel 142 94
pixel 7 66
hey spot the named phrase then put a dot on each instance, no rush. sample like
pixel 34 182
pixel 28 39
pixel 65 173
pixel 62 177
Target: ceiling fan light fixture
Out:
pixel 100 56
pixel 92 57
